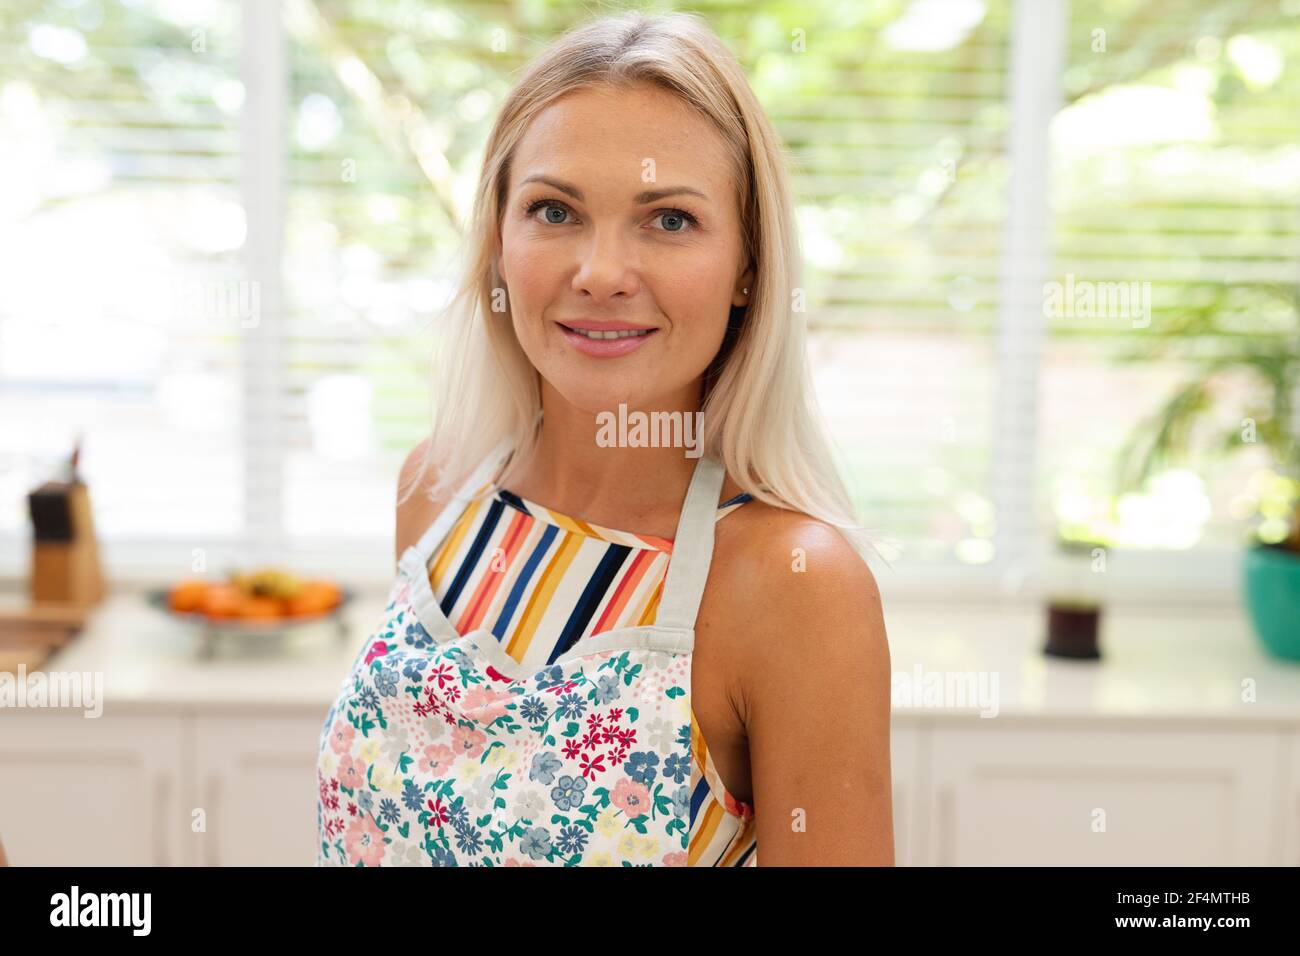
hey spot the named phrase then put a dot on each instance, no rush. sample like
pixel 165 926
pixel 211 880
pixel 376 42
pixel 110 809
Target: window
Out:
pixel 241 222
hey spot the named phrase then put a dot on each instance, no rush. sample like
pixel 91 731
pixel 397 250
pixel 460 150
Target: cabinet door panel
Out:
pixel 101 791
pixel 256 782
pixel 1103 797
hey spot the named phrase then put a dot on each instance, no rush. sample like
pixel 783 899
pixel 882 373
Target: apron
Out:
pixel 441 750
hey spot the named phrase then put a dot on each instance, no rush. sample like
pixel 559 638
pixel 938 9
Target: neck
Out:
pixel 631 488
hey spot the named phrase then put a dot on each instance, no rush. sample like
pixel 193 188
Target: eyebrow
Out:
pixel 650 195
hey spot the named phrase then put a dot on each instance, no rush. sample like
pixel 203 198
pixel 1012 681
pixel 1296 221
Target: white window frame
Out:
pixel 1022 551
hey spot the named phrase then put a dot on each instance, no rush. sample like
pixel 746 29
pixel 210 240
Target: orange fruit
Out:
pixel 223 600
pixel 262 608
pixel 187 596
pixel 314 597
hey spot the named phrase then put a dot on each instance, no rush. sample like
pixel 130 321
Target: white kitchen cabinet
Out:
pixel 1184 768
pixel 908 781
pixel 1114 796
pixel 256 780
pixel 1289 807
pixel 104 791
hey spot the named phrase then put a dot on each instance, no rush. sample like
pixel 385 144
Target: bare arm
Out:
pixel 817 692
pixel 415 512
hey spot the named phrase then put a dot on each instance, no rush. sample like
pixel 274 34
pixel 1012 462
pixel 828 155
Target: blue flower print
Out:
pixel 386 682
pixel 457 815
pixel 388 810
pixel 642 767
pixel 369 699
pixel 411 797
pixel 533 710
pixel 569 792
pixel 536 842
pixel 417 636
pixel 544 766
pixel 570 705
pixel 413 668
pixel 468 839
pixel 607 689
pixel 365 800
pixel 676 767
pixel 550 677
pixel 442 857
pixel 682 801
pixel 572 839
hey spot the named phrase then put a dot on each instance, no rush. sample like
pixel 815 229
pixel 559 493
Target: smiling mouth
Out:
pixel 621 334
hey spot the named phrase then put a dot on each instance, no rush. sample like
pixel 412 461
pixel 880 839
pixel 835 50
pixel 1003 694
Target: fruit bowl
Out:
pixel 264 605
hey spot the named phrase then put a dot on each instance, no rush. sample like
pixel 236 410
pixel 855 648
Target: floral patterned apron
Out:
pixel 442 750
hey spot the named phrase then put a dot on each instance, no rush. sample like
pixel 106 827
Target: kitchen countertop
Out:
pixel 1160 664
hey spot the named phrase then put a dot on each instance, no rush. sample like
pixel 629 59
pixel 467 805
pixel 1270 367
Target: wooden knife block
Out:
pixel 65 556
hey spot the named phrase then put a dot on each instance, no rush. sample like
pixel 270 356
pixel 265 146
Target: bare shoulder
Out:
pixel 784 566
pixel 415 509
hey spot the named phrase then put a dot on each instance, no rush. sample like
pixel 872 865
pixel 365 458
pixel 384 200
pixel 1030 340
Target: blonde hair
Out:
pixel 759 412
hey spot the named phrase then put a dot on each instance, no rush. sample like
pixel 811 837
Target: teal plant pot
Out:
pixel 1272 592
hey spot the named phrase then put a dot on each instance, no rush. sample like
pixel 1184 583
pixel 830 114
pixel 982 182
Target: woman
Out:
pixel 582 662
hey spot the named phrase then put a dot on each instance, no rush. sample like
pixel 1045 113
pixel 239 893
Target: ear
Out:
pixel 745 281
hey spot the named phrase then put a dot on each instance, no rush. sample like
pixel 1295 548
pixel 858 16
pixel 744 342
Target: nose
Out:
pixel 607 265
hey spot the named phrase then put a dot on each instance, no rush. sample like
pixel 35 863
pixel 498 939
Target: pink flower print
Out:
pixel 352 773
pixel 364 842
pixel 591 765
pixel 377 649
pixel 467 742
pixel 631 797
pixel 341 737
pixel 437 758
pixel 440 813
pixel 443 674
pixel 513 862
pixel 675 859
pixel 485 704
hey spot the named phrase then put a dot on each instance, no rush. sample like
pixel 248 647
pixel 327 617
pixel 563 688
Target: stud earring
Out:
pixel 746 291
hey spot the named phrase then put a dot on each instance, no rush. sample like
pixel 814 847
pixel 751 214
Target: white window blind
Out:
pixel 323 161
pixel 121 227
pixel 1175 179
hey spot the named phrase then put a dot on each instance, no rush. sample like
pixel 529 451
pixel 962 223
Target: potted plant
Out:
pixel 1248 334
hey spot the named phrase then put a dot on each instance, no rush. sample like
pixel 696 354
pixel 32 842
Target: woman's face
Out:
pixel 621 214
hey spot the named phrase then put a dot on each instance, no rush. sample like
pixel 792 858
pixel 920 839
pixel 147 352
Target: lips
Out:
pixel 605 339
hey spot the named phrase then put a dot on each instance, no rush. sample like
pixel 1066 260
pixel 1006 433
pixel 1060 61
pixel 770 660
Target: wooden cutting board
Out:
pixel 29 635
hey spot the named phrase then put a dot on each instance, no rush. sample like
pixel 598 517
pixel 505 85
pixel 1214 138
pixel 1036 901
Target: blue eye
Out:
pixel 680 216
pixel 549 204
pixel 669 217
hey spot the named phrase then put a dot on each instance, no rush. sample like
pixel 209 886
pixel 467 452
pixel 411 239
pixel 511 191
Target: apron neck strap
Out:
pixel 688 566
